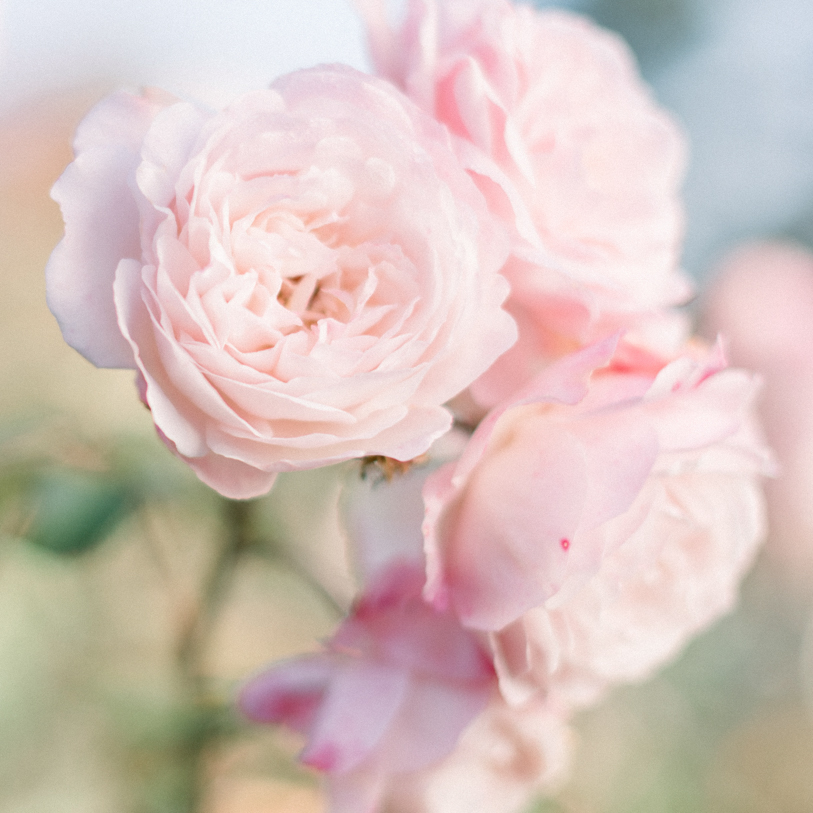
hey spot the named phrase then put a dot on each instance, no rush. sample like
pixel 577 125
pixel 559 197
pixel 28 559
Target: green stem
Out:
pixel 208 715
pixel 194 640
pixel 285 560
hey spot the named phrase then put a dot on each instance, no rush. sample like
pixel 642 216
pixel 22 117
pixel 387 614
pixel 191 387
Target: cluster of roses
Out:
pixel 479 246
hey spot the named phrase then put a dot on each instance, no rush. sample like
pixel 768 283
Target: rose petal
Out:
pixel 101 216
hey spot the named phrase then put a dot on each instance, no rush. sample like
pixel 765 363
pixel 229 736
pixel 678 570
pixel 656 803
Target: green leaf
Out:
pixel 73 511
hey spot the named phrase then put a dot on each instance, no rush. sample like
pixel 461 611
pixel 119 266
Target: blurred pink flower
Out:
pixel 305 277
pixel 608 453
pixel 567 145
pixel 762 304
pixel 473 749
pixel 504 758
pixel 395 688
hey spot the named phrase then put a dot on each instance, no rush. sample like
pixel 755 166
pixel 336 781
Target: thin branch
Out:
pixel 283 558
pixel 195 638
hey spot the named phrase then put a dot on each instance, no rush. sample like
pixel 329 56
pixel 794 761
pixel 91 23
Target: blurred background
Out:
pixel 105 539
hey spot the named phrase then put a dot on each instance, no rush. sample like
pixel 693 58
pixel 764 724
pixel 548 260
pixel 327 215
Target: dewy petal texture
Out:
pixel 305 277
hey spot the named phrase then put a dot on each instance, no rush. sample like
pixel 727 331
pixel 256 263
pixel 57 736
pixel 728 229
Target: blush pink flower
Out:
pixel 390 696
pixel 762 303
pixel 304 277
pixel 476 751
pixel 556 482
pixel 673 576
pixel 569 148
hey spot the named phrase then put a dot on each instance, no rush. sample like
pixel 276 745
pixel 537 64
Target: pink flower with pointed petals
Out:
pixel 390 696
pixel 569 148
pixel 302 278
pixel 555 482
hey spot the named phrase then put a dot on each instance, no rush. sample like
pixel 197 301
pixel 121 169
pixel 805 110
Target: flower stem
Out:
pixel 206 725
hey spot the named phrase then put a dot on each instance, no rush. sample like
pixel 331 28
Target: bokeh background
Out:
pixel 105 538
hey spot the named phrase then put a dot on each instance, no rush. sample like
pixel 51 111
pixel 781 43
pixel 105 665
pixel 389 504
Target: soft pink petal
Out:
pixel 706 413
pixel 439 493
pixel 620 452
pixel 564 382
pixel 359 706
pixel 121 119
pixel 502 562
pixel 288 693
pixel 433 717
pixel 101 216
pixel 231 478
pixel 167 149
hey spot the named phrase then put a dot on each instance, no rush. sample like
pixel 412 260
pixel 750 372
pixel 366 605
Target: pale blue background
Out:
pixel 210 48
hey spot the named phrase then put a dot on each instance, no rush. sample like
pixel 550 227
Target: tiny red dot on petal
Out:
pixel 565 543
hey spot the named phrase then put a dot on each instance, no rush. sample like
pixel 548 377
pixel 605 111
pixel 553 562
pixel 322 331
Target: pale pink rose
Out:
pixel 558 104
pixel 390 696
pixel 304 277
pixel 555 482
pixel 762 304
pixel 676 573
pixel 567 144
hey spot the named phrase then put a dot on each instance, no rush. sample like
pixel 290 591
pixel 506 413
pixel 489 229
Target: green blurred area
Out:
pixel 103 554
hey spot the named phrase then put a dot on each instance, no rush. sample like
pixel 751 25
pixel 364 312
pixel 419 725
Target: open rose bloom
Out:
pixel 338 267
pixel 649 476
pixel 563 138
pixel 305 277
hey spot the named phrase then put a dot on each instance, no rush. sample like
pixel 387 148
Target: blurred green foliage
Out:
pixel 72 511
pixel 106 547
